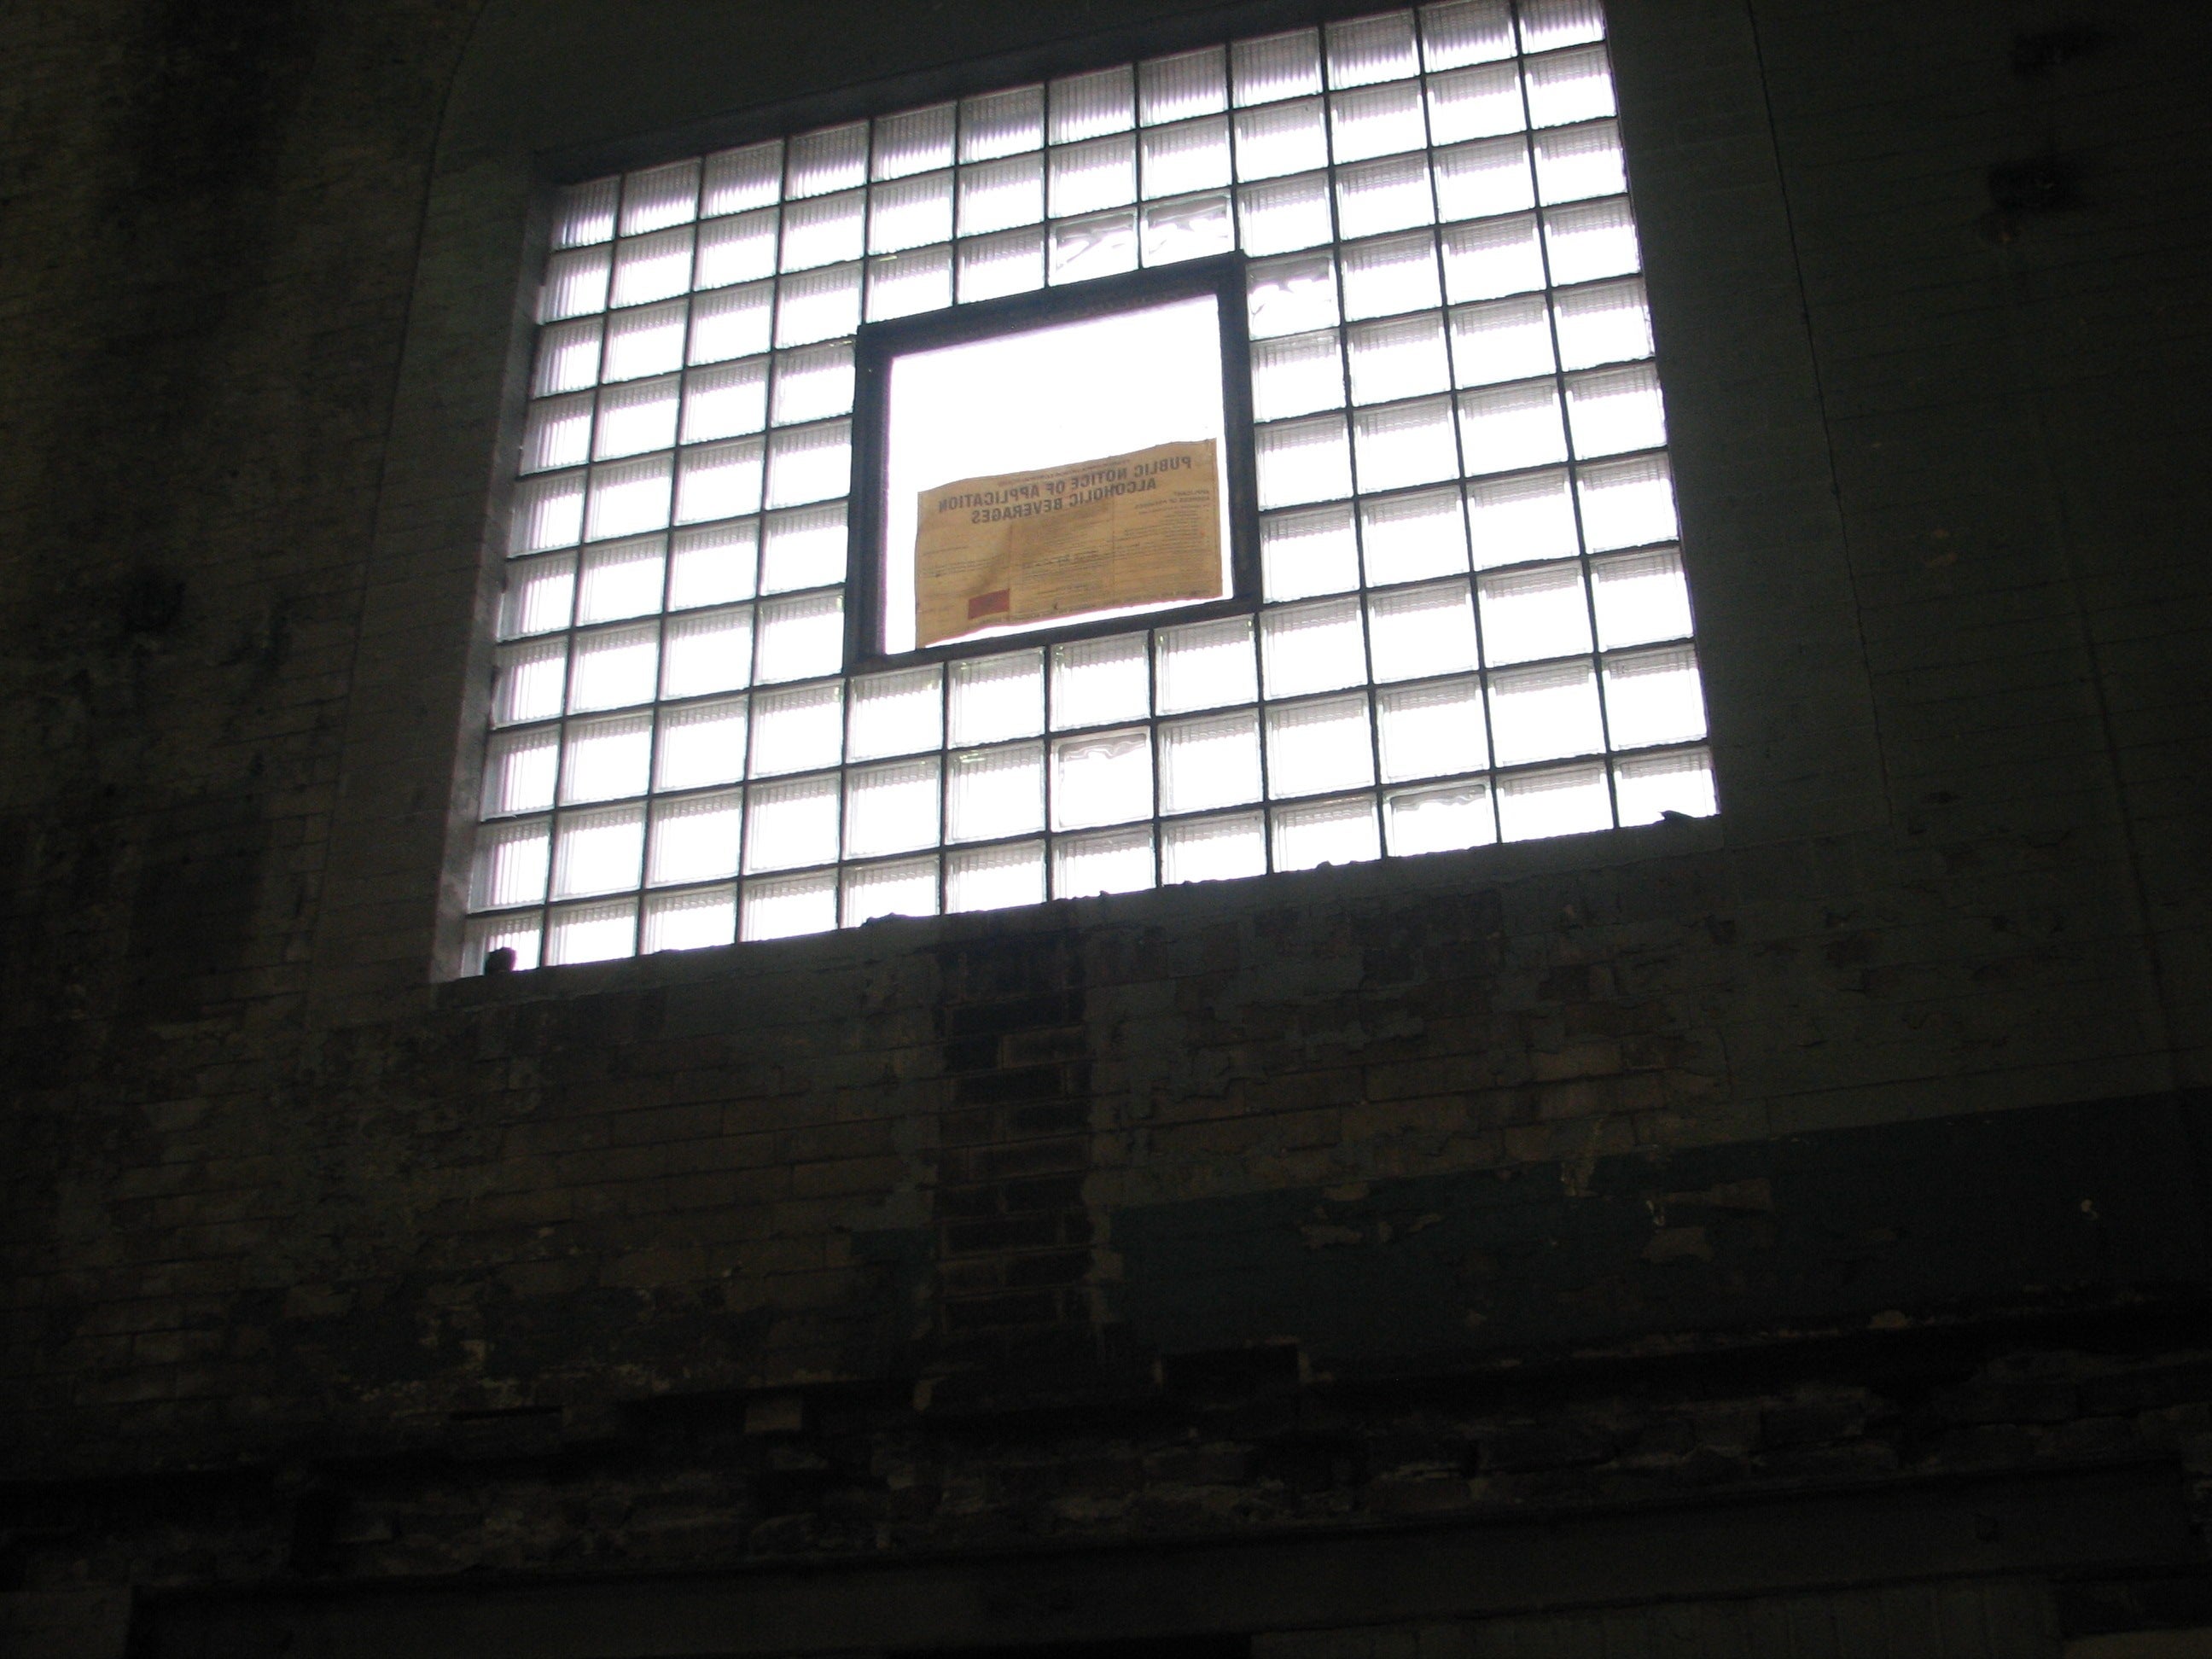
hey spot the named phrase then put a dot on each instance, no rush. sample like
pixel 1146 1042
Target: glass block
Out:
pixel 1640 598
pixel 1087 178
pixel 818 305
pixel 738 179
pixel 1189 228
pixel 1114 862
pixel 649 268
pixel 1482 102
pixel 660 196
pixel 733 323
pixel 1366 50
pixel 1390 194
pixel 1548 24
pixel 1431 730
pixel 1315 833
pixel 1533 612
pixel 910 213
pixel 548 512
pixel 1503 427
pixel 585 213
pixel 558 433
pixel 1312 551
pixel 906 283
pixel 835 158
pixel 799 730
pixel 1214 849
pixel 1649 786
pixel 1297 374
pixel 1213 761
pixel 813 383
pixel 1284 214
pixel 1186 156
pixel 1484 178
pixel 539 595
pixel 1465 31
pixel 719 481
pixel 1087 105
pixel 1589 240
pixel 1403 444
pixel 596 852
pixel 1503 340
pixel 511 864
pixel 567 358
pixel 1011 262
pixel 591 932
pixel 606 759
pixel 1627 503
pixel 1104 777
pixel 790 823
pixel 1002 124
pixel 1206 665
pixel 995 698
pixel 1392 275
pixel 1292 296
pixel 1566 800
pixel 1608 323
pixel 713 565
pixel 1415 632
pixel 1614 410
pixel 637 417
pixel 1440 820
pixel 1275 66
pixel 1398 357
pixel 1176 89
pixel 1383 120
pixel 1573 163
pixel 1097 681
pixel 1315 647
pixel 1654 696
pixel 1000 195
pixel 905 887
pixel 1482 261
pixel 706 650
pixel 518 771
pixel 895 714
pixel 486 934
pixel 1300 461
pixel 994 877
pixel 891 808
pixel 615 667
pixel 701 743
pixel 622 579
pixel 805 548
pixel 725 401
pixel 647 340
pixel 809 464
pixel 1543 713
pixel 1099 246
pixel 1320 745
pixel 690 921
pixel 531 683
pixel 1512 520
pixel 919 140
pixel 801 637
pixel 824 230
pixel 1278 139
pixel 575 284
pixel 995 791
pixel 1408 536
pixel 1570 86
pixel 789 907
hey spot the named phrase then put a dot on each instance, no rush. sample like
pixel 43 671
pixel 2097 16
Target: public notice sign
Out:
pixel 1143 528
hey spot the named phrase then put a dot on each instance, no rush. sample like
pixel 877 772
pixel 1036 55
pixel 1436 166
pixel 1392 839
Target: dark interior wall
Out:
pixel 1880 1094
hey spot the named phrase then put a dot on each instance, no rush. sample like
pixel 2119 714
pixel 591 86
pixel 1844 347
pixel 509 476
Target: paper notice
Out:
pixel 1143 528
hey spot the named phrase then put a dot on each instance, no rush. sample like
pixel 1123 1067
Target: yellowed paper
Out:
pixel 1143 528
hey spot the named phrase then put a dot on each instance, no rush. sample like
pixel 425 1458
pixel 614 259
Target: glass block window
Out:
pixel 1472 627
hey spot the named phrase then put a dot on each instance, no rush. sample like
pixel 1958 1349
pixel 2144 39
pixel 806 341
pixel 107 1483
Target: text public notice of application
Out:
pixel 1143 528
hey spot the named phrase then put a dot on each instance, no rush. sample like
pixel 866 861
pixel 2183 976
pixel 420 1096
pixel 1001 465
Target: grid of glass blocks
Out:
pixel 1474 625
